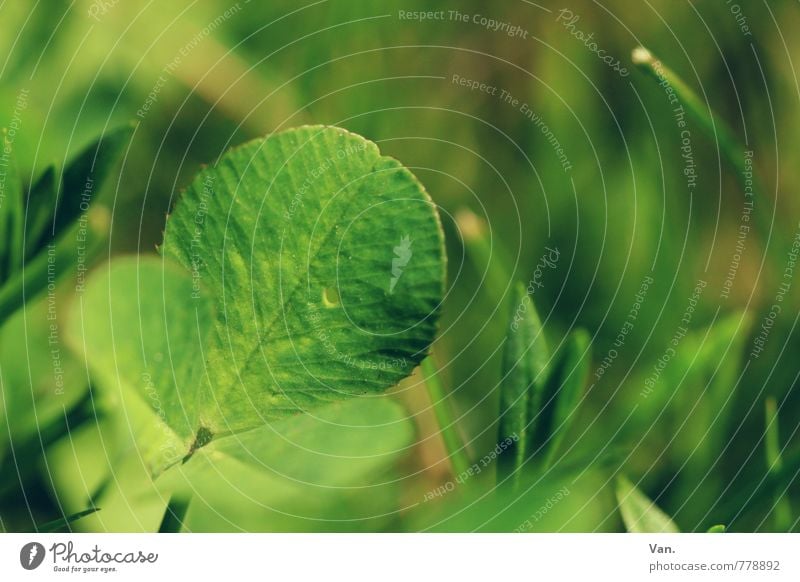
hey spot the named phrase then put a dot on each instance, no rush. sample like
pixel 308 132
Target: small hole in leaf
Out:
pixel 330 297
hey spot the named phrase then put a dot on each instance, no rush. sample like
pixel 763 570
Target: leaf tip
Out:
pixel 642 56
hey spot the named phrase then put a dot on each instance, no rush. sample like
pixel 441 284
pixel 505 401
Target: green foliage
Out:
pixel 54 228
pixel 42 199
pixel 65 522
pixel 715 129
pixel 85 176
pixel 311 466
pixel 781 506
pixel 772 444
pixel 705 371
pixel 148 313
pixel 142 317
pixel 34 397
pixel 624 210
pixel 302 471
pixel 701 113
pixel 539 393
pixel 447 424
pixel 250 285
pixel 300 237
pixel 538 503
pixel 43 398
pixel 524 376
pixel 563 395
pixel 45 244
pixel 639 513
pixel 12 212
pixel 175 514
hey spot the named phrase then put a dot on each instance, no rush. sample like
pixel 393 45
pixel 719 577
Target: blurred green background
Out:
pixel 197 78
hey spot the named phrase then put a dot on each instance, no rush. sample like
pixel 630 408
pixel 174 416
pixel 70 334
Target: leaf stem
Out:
pixel 456 450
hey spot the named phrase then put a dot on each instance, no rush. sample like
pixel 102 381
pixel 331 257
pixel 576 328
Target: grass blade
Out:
pixel 715 129
pixel 781 508
pixel 41 205
pixel 772 437
pixel 447 425
pixel 57 524
pixel 639 513
pixel 525 358
pixel 485 258
pixel 85 175
pixel 564 390
pixel 175 514
pixel 11 211
pixel 733 151
pixel 16 291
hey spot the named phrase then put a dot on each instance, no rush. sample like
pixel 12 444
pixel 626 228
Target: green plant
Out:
pixel 539 392
pixel 639 513
pixel 52 232
pixel 781 507
pixel 277 267
pixel 676 173
pixel 53 228
pixel 732 150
